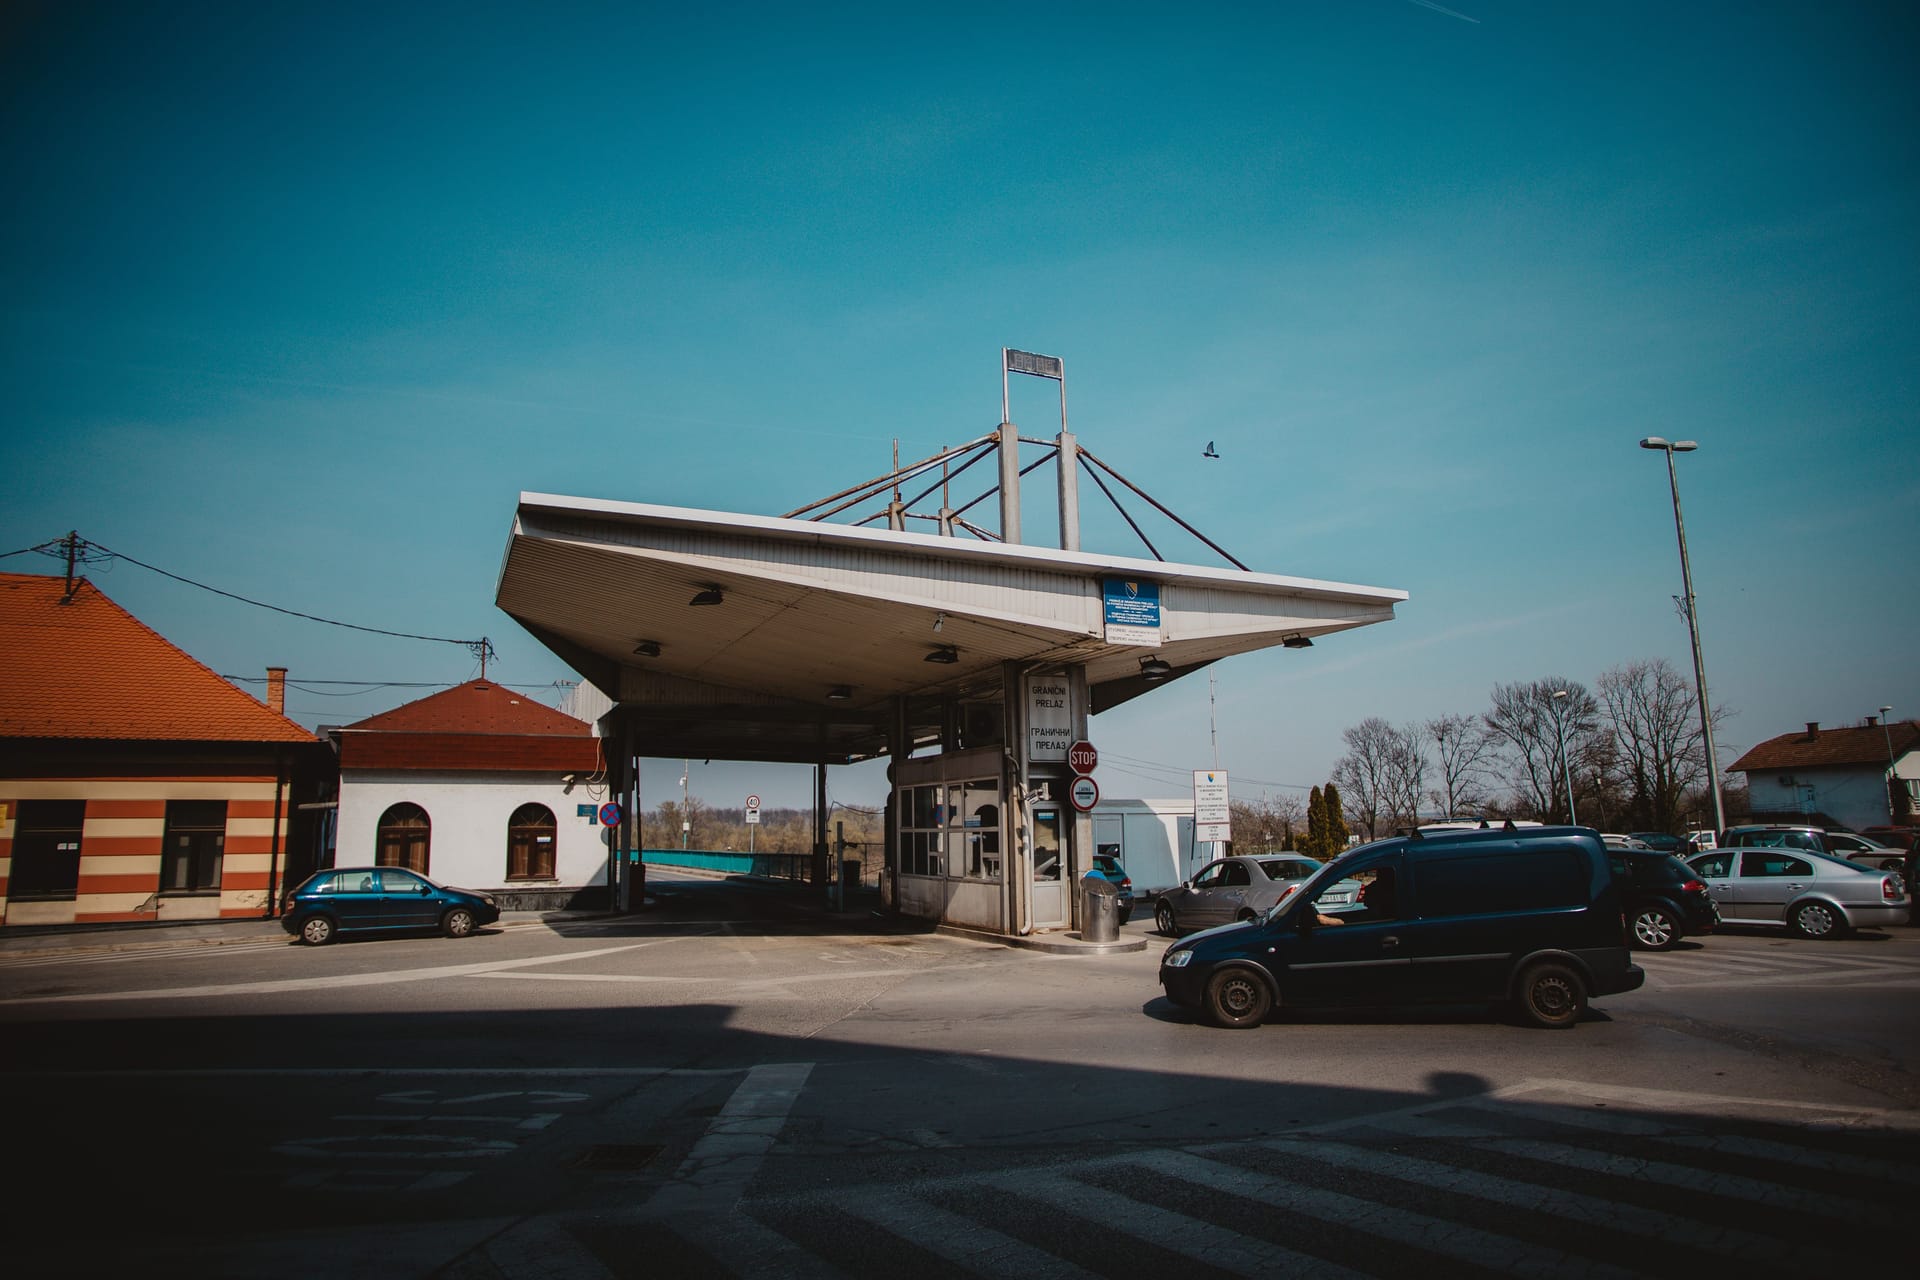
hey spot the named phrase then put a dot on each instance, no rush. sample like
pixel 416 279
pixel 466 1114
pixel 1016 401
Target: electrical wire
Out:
pixel 78 546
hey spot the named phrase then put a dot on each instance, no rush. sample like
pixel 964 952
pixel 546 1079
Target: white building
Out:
pixel 480 787
pixel 1835 777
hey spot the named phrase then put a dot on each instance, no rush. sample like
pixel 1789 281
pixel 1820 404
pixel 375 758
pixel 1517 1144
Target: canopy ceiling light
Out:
pixel 946 655
pixel 1296 641
pixel 647 649
pixel 707 595
pixel 840 693
pixel 1155 669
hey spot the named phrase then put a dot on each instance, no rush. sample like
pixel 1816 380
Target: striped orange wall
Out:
pixel 121 844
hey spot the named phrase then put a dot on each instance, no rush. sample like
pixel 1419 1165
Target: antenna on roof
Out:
pixel 72 544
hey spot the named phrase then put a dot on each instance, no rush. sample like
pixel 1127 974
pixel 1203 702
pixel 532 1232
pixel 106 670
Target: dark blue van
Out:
pixel 1530 916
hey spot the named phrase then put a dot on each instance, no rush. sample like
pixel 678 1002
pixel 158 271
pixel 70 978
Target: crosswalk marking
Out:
pixel 961 1240
pixel 1680 1177
pixel 1435 1235
pixel 749 1248
pixel 1175 1232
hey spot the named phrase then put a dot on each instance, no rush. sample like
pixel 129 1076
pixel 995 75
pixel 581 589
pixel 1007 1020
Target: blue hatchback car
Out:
pixel 381 900
pixel 1109 866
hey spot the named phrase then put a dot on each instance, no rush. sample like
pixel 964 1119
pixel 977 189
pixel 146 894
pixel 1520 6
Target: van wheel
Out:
pixel 1552 996
pixel 1817 920
pixel 1163 920
pixel 1237 998
pixel 1655 929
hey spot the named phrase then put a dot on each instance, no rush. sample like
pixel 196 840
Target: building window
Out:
pixel 951 830
pixel 530 835
pixel 46 850
pixel 404 835
pixel 195 842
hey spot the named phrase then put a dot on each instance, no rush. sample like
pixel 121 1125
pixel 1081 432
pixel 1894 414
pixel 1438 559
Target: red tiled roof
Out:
pixel 90 669
pixel 478 706
pixel 1862 744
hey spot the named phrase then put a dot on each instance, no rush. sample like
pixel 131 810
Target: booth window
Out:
pixel 530 833
pixel 194 847
pixel 977 841
pixel 405 833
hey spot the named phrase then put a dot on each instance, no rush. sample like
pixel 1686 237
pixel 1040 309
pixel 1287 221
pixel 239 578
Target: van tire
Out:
pixel 1237 998
pixel 1552 995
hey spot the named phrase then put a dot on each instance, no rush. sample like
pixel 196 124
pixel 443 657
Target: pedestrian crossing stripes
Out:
pixel 1540 1180
pixel 1805 965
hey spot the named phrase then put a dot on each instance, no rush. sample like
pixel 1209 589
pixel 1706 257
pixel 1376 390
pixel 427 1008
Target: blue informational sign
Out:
pixel 610 814
pixel 583 811
pixel 1132 611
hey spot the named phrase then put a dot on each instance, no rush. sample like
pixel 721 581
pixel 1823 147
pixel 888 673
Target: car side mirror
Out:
pixel 424 890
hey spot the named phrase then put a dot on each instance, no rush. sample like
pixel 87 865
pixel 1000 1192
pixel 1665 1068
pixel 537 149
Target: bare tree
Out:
pixel 1540 737
pixel 1364 773
pixel 1462 746
pixel 1267 824
pixel 1406 780
pixel 1650 708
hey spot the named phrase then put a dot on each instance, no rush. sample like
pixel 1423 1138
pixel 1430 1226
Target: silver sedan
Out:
pixel 1240 888
pixel 1814 894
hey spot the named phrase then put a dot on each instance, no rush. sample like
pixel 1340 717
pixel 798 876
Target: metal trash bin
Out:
pixel 1099 909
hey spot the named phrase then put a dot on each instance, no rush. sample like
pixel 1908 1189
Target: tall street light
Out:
pixel 1671 447
pixel 1566 770
pixel 1892 770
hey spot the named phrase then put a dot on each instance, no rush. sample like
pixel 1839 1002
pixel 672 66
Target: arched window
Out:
pixel 530 835
pixel 404 835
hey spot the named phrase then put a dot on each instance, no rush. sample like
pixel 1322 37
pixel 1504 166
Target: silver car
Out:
pixel 1240 888
pixel 1814 894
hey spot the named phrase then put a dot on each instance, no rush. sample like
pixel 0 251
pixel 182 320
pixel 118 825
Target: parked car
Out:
pixel 1703 839
pixel 1531 916
pixel 1841 844
pixel 1902 839
pixel 1109 866
pixel 381 900
pixel 1238 888
pixel 1664 841
pixel 1613 840
pixel 1815 894
pixel 1666 900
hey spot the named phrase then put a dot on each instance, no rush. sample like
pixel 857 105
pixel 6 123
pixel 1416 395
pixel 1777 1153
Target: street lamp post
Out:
pixel 1671 447
pixel 1886 728
pixel 1566 770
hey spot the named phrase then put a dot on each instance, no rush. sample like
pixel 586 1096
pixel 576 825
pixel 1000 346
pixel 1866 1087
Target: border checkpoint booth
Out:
pixel 971 664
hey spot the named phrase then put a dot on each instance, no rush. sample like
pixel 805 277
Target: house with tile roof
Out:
pixel 482 787
pixel 136 784
pixel 1848 777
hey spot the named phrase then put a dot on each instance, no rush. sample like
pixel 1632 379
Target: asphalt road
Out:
pixel 732 1083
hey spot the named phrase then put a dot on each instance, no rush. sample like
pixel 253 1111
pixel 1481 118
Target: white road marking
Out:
pixel 332 982
pixel 717 1171
pixel 960 1240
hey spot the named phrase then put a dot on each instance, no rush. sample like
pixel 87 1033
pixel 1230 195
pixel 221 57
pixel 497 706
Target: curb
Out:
pixel 1061 944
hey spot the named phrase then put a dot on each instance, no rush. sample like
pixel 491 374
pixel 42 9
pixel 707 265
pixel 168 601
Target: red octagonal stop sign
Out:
pixel 1081 757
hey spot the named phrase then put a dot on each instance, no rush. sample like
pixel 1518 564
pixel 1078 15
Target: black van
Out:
pixel 1529 915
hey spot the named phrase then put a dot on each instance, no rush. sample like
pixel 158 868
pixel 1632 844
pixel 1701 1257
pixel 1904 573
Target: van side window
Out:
pixel 1500 882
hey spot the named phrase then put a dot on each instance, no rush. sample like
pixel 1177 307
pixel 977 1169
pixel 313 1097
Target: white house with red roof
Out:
pixel 1856 775
pixel 137 784
pixel 481 787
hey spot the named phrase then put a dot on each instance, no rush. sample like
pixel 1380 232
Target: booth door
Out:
pixel 1049 867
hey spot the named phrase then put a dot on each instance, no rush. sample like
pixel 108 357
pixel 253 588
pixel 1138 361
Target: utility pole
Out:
pixel 686 820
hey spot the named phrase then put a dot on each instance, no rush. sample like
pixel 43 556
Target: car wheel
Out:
pixel 457 923
pixel 1552 996
pixel 1817 920
pixel 1655 929
pixel 317 931
pixel 1163 920
pixel 1125 915
pixel 1237 998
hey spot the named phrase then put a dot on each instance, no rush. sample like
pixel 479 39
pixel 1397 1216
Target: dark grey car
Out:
pixel 1239 888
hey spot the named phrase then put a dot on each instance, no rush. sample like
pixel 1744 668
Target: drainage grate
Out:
pixel 617 1157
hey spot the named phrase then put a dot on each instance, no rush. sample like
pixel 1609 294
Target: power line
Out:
pixel 75 549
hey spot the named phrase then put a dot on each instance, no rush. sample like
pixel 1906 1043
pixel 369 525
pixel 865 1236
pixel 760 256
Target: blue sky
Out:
pixel 297 301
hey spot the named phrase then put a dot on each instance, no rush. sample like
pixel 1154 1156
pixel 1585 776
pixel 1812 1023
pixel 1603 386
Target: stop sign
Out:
pixel 1081 757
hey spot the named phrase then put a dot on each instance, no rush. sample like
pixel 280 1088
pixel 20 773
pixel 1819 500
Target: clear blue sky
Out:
pixel 296 301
